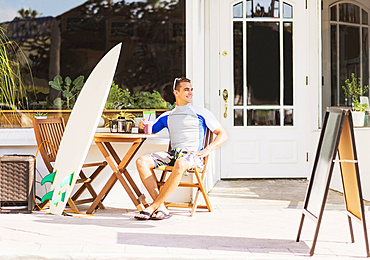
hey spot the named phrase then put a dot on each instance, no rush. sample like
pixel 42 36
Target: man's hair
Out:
pixel 177 82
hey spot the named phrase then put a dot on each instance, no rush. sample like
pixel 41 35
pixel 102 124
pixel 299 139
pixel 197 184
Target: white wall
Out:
pixel 202 66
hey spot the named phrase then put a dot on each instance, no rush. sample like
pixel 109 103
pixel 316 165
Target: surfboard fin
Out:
pixel 67 180
pixel 47 196
pixel 60 197
pixel 49 178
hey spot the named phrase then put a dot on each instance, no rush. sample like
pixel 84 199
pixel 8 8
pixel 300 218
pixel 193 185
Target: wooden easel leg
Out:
pixel 365 236
pixel 300 228
pixel 367 244
pixel 351 229
pixel 316 235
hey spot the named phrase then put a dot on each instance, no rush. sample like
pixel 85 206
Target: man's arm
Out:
pixel 158 125
pixel 221 137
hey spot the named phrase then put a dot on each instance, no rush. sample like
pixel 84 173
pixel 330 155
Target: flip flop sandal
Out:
pixel 161 216
pixel 144 215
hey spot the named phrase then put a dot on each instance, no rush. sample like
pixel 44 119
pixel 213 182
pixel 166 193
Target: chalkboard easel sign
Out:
pixel 336 138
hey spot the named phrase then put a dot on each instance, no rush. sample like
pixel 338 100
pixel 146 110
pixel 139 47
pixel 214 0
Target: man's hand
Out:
pixel 141 124
pixel 203 153
pixel 221 137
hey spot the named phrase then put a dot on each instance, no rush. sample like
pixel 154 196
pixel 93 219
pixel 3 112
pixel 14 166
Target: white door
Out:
pixel 263 75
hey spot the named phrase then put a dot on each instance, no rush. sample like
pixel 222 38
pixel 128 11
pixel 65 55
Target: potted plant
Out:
pixel 353 89
pixel 126 115
pixel 40 115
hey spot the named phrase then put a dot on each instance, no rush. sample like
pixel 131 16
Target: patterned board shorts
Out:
pixel 163 159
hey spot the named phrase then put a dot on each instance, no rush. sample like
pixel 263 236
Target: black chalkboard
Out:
pixel 337 140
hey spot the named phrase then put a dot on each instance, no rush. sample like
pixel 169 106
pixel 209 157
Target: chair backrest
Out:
pixel 50 130
pixel 208 138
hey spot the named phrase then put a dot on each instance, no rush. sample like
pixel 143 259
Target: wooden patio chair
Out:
pixel 198 182
pixel 51 130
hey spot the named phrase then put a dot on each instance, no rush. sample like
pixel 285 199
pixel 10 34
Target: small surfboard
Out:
pixel 80 130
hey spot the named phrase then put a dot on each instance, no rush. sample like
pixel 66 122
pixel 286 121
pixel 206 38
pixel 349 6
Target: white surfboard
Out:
pixel 80 129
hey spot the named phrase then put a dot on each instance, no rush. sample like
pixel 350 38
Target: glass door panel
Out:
pixel 349 13
pixel 288 63
pixel 263 117
pixel 263 72
pixel 365 56
pixel 263 63
pixel 288 10
pixel 238 63
pixel 263 8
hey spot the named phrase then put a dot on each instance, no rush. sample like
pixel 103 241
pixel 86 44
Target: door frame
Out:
pixel 212 70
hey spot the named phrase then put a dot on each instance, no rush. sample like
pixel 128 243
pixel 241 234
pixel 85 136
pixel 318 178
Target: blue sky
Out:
pixel 9 8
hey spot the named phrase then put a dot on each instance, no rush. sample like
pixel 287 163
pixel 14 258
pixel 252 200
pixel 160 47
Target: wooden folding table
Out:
pixel 103 141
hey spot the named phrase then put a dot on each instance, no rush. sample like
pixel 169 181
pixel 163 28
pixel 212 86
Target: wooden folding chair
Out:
pixel 49 133
pixel 198 183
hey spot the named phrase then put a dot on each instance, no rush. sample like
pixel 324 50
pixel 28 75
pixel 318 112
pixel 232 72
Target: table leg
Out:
pixel 141 196
pixel 112 180
pixel 134 199
pixel 109 152
pixel 122 164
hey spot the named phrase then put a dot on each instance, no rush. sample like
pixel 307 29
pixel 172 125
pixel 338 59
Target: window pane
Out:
pixel 238 117
pixel 249 8
pixel 349 48
pixel 333 13
pixel 263 117
pixel 365 57
pixel 238 63
pixel 288 10
pixel 333 67
pixel 238 10
pixel 288 117
pixel 263 56
pixel 349 13
pixel 364 17
pixel 288 64
pixel 263 8
pixel 153 37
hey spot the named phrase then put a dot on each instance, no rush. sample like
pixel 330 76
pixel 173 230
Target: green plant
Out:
pixel 121 98
pixel 39 114
pixel 69 91
pixel 12 62
pixel 145 99
pixel 126 115
pixel 360 107
pixel 353 89
pixel 118 98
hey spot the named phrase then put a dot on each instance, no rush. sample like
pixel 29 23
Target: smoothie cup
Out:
pixel 148 127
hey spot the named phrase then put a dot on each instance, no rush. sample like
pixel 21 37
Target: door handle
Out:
pixel 225 96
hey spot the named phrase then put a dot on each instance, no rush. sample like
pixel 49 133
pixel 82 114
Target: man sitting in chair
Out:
pixel 187 125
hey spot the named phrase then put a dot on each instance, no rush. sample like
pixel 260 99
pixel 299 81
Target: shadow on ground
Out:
pixel 241 244
pixel 290 190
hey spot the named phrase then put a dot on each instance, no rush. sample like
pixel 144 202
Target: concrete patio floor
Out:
pixel 252 219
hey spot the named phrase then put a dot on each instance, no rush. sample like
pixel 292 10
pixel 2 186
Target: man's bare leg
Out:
pixel 180 167
pixel 145 165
